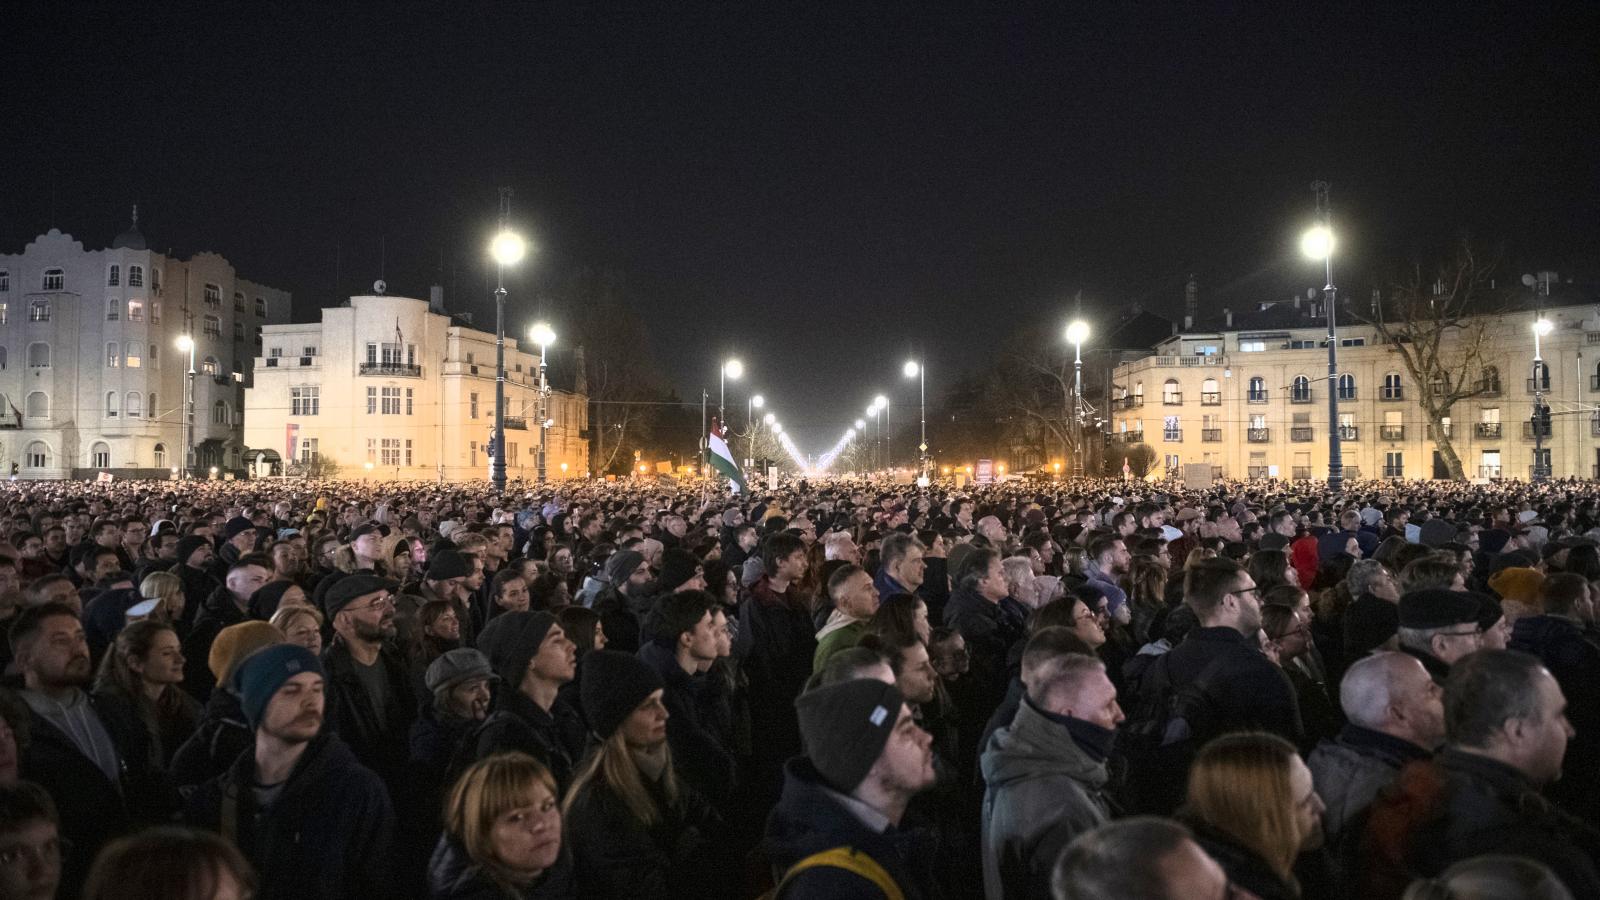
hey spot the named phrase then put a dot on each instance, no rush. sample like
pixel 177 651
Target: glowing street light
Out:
pixel 732 370
pixel 186 344
pixel 777 428
pixel 1077 333
pixel 914 370
pixel 542 334
pixel 758 401
pixel 1541 328
pixel 1317 244
pixel 507 248
pixel 769 419
pixel 861 425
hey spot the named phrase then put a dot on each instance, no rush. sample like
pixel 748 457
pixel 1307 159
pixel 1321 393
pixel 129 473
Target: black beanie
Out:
pixel 677 566
pixel 511 640
pixel 188 544
pixel 845 727
pixel 614 684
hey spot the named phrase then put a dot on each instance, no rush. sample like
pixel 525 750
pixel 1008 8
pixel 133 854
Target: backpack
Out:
pixel 1164 729
pixel 841 858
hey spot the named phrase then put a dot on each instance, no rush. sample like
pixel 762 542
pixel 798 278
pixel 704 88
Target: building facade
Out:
pixel 91 375
pixel 394 388
pixel 1249 397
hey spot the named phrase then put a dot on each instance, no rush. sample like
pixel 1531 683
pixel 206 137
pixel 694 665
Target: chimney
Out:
pixel 1227 316
pixel 436 299
pixel 1191 303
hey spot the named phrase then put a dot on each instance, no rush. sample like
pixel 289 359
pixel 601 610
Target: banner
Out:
pixel 985 472
pixel 291 437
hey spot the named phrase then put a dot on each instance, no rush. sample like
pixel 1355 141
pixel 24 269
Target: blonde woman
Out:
pixel 142 676
pixel 502 835
pixel 167 590
pixel 301 625
pixel 1254 809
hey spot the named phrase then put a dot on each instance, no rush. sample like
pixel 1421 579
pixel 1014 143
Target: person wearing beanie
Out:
pixel 371 688
pixel 308 816
pixel 194 572
pixel 533 658
pixel 636 829
pixel 1438 627
pixel 227 605
pixel 446 579
pixel 460 686
pixel 1519 588
pixel 623 603
pixel 865 760
pixel 682 646
pixel 222 733
pixel 680 571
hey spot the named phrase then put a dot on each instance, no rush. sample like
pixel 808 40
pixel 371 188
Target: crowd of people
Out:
pixel 1094 689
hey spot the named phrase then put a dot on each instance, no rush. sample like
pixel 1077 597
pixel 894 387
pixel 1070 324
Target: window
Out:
pixel 136 276
pixel 238 331
pixel 1392 390
pixel 113 309
pixel 408 401
pixel 238 301
pixel 1252 346
pixel 213 326
pixel 113 275
pixel 308 450
pixel 135 310
pixel 1541 377
pixel 39 310
pixel 5 313
pixel 1205 350
pixel 372 450
pixel 1353 342
pixel 213 295
pixel 155 312
pixel 38 455
pixel 5 280
pixel 113 404
pixel 1490 382
pixel 155 357
pixel 2 357
pixel 1258 390
pixel 155 278
pixel 472 406
pixel 372 353
pixel 391 401
pixel 1491 414
pixel 275 352
pixel 39 355
pixel 408 451
pixel 390 452
pixel 53 280
pixel 133 360
pixel 219 413
pixel 1303 345
pixel 100 456
pixel 1170 393
pixel 1171 429
pixel 1347 387
pixel 135 406
pixel 1210 393
pixel 113 355
pixel 1258 421
pixel 1300 390
pixel 261 308
pixel 372 401
pixel 209 365
pixel 1394 464
pixel 305 400
pixel 161 456
pixel 152 404
pixel 308 351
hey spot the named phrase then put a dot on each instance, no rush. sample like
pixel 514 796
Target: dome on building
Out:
pixel 132 239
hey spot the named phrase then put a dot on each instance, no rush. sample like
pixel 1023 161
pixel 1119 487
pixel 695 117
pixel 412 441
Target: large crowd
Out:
pixel 833 689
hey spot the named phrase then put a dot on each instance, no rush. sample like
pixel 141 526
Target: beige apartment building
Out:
pixel 1247 393
pixel 395 388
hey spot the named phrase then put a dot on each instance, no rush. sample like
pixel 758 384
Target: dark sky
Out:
pixel 821 190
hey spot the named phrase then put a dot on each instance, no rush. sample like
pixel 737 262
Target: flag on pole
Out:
pixel 721 459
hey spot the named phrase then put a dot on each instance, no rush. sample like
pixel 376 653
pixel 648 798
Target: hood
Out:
pixel 1332 544
pixel 1035 747
pixel 808 820
pixel 223 706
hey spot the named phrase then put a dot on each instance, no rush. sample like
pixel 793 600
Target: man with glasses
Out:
pixel 1438 627
pixel 371 702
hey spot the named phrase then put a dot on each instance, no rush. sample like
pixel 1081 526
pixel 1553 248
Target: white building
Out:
pixel 393 387
pixel 91 378
pixel 1246 393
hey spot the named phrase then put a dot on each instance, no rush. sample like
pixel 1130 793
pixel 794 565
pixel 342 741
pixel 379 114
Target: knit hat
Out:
pixel 511 640
pixel 1437 608
pixel 234 643
pixel 1436 532
pixel 677 566
pixel 449 564
pixel 845 726
pixel 1518 584
pixel 188 544
pixel 264 672
pixel 752 571
pixel 614 684
pixel 236 526
pixel 455 666
pixel 264 602
pixel 1369 622
pixel 348 588
pixel 621 565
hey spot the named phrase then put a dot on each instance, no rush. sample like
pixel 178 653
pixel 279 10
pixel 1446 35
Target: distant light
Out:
pixel 368 467
pixel 770 419
pixel 564 467
pixel 872 409
pixel 911 368
pixel 1077 332
pixel 1317 243
pixel 542 334
pixel 185 343
pixel 734 369
pixel 508 248
pixel 1542 327
pixel 777 428
pixel 881 401
pixel 643 468
pixel 861 425
pixel 758 401
pixel 850 434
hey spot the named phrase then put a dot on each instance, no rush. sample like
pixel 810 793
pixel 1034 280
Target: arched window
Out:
pixel 113 275
pixel 152 404
pixel 1210 393
pixel 1258 390
pixel 233 458
pixel 1300 390
pixel 1170 394
pixel 38 455
pixel 161 456
pixel 135 405
pixel 113 309
pixel 2 357
pixel 100 455
pixel 1138 394
pixel 113 355
pixel 113 404
pixel 135 310
pixel 1347 387
pixel 1392 389
pixel 261 308
pixel 39 355
pixel 219 413
pixel 136 277
pixel 38 405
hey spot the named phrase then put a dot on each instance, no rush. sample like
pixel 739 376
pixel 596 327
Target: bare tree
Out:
pixel 1441 329
pixel 1033 386
pixel 622 377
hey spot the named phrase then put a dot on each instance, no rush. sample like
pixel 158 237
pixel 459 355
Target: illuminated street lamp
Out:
pixel 1318 244
pixel 542 334
pixel 732 370
pixel 1077 333
pixel 1541 472
pixel 507 248
pixel 186 344
pixel 915 370
pixel 755 402
pixel 769 419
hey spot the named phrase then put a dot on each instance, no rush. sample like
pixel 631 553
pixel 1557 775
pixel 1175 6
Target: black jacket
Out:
pixel 617 856
pixel 700 758
pixel 1243 866
pixel 778 664
pixel 1566 650
pixel 327 837
pixel 216 613
pixel 1243 689
pixel 381 745
pixel 218 740
pixel 452 875
pixel 989 635
pixel 197 586
pixel 809 820
pixel 555 738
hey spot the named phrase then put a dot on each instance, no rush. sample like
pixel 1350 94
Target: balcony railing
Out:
pixel 391 369
pixel 516 423
pixel 1258 435
pixel 1174 398
pixel 1486 429
pixel 1256 397
pixel 1133 401
pixel 308 360
pixel 1393 394
pixel 1259 471
pixel 1301 473
pixel 1392 432
pixel 1488 471
pixel 1300 396
pixel 1210 398
pixel 1351 473
pixel 1300 434
pixel 1538 384
pixel 1172 435
pixel 1349 432
pixel 1538 471
pixel 1528 430
pixel 1394 471
pixel 1211 435
pixel 1347 394
pixel 1437 431
pixel 272 362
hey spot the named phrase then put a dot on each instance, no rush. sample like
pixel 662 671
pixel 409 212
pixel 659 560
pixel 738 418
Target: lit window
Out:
pixel 135 310
pixel 133 360
pixel 39 310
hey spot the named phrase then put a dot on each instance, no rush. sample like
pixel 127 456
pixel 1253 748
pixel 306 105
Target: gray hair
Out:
pixel 1062 674
pixel 1367 689
pixel 1362 575
pixel 895 548
pixel 1118 859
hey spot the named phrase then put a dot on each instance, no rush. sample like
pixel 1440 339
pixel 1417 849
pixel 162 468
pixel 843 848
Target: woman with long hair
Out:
pixel 143 676
pixel 902 617
pixel 1271 568
pixel 502 835
pixel 1254 809
pixel 167 590
pixel 438 632
pixel 1146 587
pixel 170 863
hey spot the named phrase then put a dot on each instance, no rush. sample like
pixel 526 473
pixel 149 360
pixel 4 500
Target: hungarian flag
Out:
pixel 721 459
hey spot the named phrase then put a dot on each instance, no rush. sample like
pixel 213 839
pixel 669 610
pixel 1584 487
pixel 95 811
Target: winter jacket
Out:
pixel 1244 867
pixel 555 737
pixel 381 746
pixel 617 856
pixel 989 636
pixel 783 644
pixel 809 819
pixel 698 756
pixel 1350 770
pixel 1566 650
pixel 839 634
pixel 218 740
pixel 1243 688
pixel 326 837
pixel 1043 791
pixel 197 587
pixel 217 612
pixel 452 875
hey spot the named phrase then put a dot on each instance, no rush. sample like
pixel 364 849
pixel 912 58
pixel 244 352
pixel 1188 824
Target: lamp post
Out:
pixel 507 248
pixel 1541 472
pixel 732 370
pixel 186 344
pixel 542 334
pixel 1318 244
pixel 755 402
pixel 913 369
pixel 1077 333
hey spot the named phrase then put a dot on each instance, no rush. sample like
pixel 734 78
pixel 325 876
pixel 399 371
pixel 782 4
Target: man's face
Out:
pixel 133 535
pixel 1284 525
pixel 906 764
pixel 912 569
pixel 640 576
pixel 30 861
pixel 557 657
pixel 991 528
pixel 950 658
pixel 701 640
pixel 294 714
pixel 917 679
pixel 676 526
pixel 748 539
pixel 1118 559
pixel 793 566
pixel 470 699
pixel 105 565
pixel 58 657
pixel 370 616
pixel 1097 702
pixel 1248 597
pixel 74 530
pixel 993 586
pixel 243 582
pixel 1418 699
pixel 860 597
pixel 1543 741
pixel 55 541
pixel 368 546
pixel 200 557
pixel 1451 643
pixel 32 548
pixel 514 595
pixel 285 559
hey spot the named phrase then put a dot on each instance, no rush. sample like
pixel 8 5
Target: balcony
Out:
pixel 1256 397
pixel 1301 473
pixel 1300 396
pixel 1300 434
pixel 1347 394
pixel 271 362
pixel 1210 398
pixel 391 369
pixel 1392 394
pixel 1437 431
pixel 308 361
pixel 1392 432
pixel 516 423
pixel 1486 430
pixel 1488 471
pixel 1258 435
pixel 1349 432
pixel 1255 472
pixel 1537 471
pixel 1175 398
pixel 1172 435
pixel 1538 384
pixel 1133 401
pixel 1211 435
pixel 1543 431
pixel 1394 471
pixel 1351 473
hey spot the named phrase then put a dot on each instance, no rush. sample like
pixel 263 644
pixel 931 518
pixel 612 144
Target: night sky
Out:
pixel 822 191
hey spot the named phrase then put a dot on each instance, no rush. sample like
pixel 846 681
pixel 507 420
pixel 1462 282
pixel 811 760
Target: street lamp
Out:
pixel 732 370
pixel 1541 472
pixel 1318 243
pixel 915 370
pixel 755 402
pixel 507 248
pixel 186 344
pixel 542 334
pixel 769 419
pixel 1077 333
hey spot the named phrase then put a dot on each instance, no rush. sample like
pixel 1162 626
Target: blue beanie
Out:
pixel 262 673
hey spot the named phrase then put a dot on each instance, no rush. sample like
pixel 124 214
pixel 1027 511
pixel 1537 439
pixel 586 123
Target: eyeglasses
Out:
pixel 1476 632
pixel 377 603
pixel 48 852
